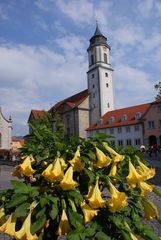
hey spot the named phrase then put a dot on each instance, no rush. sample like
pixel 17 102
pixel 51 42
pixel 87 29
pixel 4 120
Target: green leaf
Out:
pixel 54 211
pixel 90 174
pixel 76 194
pixel 20 187
pixel 22 210
pixel 41 212
pixel 73 236
pixel 16 200
pixel 38 224
pixel 76 220
pixel 102 236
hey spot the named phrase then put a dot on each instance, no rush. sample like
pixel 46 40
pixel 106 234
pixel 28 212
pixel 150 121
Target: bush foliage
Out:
pixel 81 189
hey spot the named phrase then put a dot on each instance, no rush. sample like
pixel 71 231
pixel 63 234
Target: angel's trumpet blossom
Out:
pixel 64 227
pixel 115 156
pixel 68 183
pixel 25 168
pixel 118 199
pixel 25 232
pixel 2 216
pixel 95 199
pixel 145 188
pixel 134 177
pixel 89 213
pixel 147 173
pixel 54 171
pixel 150 210
pixel 76 161
pixel 103 160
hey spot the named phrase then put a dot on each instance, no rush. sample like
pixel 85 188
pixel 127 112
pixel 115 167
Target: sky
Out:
pixel 43 51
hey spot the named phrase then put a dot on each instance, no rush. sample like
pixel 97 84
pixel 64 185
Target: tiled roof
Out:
pixel 157 101
pixel 37 113
pixel 73 101
pixel 116 115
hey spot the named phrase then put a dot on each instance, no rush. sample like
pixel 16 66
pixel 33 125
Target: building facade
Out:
pixel 5 132
pixel 93 110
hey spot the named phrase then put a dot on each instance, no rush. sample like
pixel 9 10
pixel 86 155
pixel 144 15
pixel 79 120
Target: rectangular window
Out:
pixel 93 85
pixel 159 108
pixel 108 105
pixel 92 59
pixel 111 130
pixel 127 129
pixel 120 142
pixel 136 128
pixel 93 75
pixel 137 142
pixel 151 124
pixel 119 130
pixel 159 123
pixel 93 95
pixel 113 143
pixel 128 142
pixel 106 74
pixel 106 84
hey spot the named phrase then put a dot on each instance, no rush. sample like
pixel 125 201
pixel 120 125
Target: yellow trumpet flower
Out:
pixel 24 232
pixel 54 171
pixel 118 199
pixel 146 172
pixel 68 183
pixel 63 164
pixel 145 188
pixel 113 170
pixel 116 156
pixel 88 212
pixel 95 199
pixel 8 225
pixel 25 167
pixel 76 161
pixel 90 190
pixel 2 216
pixel 150 210
pixel 16 172
pixel 103 160
pixel 64 227
pixel 134 177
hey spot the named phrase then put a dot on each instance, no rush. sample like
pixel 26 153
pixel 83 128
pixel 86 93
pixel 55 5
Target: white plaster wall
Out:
pixel 5 130
pixel 122 136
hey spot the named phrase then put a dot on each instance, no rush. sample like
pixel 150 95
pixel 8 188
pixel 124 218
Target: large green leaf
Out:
pixel 38 223
pixel 22 210
pixel 16 200
pixel 54 211
pixel 101 236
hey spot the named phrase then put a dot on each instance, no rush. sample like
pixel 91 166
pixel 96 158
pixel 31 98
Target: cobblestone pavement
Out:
pixel 154 161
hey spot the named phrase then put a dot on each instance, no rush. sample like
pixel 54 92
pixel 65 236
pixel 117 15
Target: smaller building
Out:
pixel 5 132
pixel 152 124
pixel 125 126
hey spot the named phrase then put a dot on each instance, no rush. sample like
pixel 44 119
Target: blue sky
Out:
pixel 43 56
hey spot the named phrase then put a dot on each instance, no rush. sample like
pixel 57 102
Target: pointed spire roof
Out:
pixel 98 39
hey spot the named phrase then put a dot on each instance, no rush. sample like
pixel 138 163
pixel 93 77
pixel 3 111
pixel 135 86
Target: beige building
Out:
pixel 152 124
pixel 5 132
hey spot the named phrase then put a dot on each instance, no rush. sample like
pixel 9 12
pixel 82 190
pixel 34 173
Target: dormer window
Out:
pixel 137 115
pixel 123 118
pixel 111 120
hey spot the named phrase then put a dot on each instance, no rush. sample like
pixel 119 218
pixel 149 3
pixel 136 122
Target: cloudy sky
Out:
pixel 43 56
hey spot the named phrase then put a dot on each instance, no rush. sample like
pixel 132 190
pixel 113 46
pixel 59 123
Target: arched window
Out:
pixel 105 57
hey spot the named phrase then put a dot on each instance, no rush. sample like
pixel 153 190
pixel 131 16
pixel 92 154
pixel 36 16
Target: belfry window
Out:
pixel 92 59
pixel 105 57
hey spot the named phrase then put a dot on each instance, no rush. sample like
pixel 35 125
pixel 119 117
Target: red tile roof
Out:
pixel 117 114
pixel 157 101
pixel 73 101
pixel 37 113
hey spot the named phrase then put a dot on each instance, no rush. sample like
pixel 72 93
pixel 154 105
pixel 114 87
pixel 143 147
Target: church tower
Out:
pixel 99 75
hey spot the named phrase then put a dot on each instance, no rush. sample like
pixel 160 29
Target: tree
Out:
pixel 158 88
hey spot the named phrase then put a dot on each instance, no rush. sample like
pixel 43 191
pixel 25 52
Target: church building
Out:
pixel 93 110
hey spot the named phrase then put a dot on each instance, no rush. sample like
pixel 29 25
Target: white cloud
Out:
pixel 79 11
pixel 131 86
pixel 36 77
pixel 3 13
